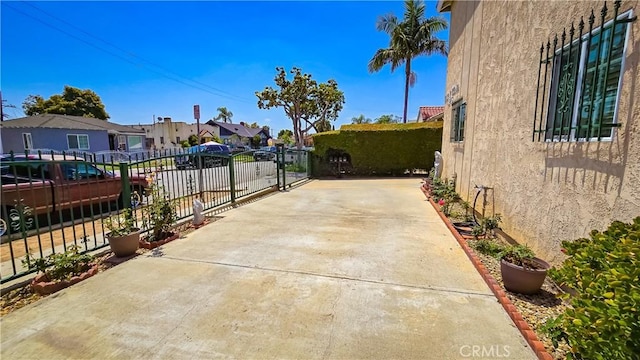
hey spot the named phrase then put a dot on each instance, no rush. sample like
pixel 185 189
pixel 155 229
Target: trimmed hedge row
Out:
pixel 378 149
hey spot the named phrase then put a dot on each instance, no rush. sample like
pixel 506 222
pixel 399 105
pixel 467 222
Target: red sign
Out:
pixel 196 111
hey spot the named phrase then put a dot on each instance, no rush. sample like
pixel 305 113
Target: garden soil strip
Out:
pixel 536 345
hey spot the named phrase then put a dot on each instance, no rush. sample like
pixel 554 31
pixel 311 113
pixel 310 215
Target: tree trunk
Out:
pixel 406 89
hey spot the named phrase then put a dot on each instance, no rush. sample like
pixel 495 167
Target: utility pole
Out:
pixel 1 107
pixel 196 115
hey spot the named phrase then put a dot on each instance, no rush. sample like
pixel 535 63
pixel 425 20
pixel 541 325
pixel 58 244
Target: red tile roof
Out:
pixel 427 112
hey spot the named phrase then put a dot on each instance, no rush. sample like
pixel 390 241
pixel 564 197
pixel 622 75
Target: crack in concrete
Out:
pixel 487 294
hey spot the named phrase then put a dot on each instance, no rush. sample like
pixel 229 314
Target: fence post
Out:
pixel 277 171
pixel 280 158
pixel 232 180
pixel 309 163
pixel 126 186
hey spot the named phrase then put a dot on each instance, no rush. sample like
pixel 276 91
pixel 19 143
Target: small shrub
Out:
pixel 159 215
pixel 603 321
pixel 121 224
pixel 488 247
pixel 520 255
pixel 61 266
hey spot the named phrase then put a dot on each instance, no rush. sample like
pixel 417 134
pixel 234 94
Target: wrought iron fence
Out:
pixel 51 201
pixel 579 78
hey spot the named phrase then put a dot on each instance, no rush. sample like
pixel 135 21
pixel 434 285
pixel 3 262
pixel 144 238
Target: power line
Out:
pixel 129 52
pixel 201 88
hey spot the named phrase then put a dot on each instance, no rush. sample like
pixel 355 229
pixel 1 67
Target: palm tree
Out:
pixel 360 120
pixel 223 114
pixel 409 38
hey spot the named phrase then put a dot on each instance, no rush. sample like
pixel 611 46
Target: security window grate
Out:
pixel 584 76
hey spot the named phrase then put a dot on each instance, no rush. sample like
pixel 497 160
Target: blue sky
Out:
pixel 221 53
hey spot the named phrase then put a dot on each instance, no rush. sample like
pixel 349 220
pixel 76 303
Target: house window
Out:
pixel 585 80
pixel 458 116
pixel 177 139
pixel 27 141
pixel 161 139
pixel 78 141
pixel 135 142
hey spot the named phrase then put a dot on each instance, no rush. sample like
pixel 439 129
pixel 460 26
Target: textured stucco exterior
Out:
pixel 546 191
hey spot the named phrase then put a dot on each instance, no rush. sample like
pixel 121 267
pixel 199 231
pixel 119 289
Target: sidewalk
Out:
pixel 335 269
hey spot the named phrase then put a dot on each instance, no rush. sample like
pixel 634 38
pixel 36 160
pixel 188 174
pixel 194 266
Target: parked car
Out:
pixel 236 149
pixel 210 155
pixel 266 153
pixel 52 183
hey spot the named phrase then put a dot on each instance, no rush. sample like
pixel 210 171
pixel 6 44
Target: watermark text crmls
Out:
pixel 485 351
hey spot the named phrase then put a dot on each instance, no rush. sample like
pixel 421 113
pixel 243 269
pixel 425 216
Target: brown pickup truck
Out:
pixel 51 183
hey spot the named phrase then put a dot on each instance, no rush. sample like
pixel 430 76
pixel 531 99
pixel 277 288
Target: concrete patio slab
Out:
pixel 335 269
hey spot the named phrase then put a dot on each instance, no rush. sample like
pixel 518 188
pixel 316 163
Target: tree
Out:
pixel 409 38
pixel 224 115
pixel 308 104
pixel 286 136
pixel 185 143
pixel 193 140
pixel 387 119
pixel 360 120
pixel 256 141
pixel 72 101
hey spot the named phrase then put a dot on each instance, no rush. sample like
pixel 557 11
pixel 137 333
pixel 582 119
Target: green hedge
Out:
pixel 379 149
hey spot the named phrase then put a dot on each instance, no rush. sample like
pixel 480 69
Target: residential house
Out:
pixel 166 134
pixel 243 133
pixel 543 108
pixel 430 113
pixel 66 132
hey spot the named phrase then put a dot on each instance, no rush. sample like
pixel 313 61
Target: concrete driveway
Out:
pixel 335 269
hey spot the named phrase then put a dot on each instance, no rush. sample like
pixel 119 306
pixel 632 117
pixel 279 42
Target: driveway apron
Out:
pixel 335 269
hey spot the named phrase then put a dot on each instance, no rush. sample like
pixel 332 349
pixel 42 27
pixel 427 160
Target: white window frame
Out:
pixel 27 141
pixel 141 142
pixel 581 71
pixel 78 141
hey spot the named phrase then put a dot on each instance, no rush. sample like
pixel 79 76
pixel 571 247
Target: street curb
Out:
pixel 536 345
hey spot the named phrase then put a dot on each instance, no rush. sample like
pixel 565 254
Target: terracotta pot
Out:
pixel 524 281
pixel 123 246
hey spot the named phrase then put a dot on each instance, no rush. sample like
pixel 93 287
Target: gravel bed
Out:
pixel 536 308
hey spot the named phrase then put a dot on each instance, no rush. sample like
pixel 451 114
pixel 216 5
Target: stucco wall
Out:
pixel 54 139
pixel 546 192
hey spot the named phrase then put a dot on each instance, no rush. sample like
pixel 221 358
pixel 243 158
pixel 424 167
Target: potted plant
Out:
pixel 123 234
pixel 159 217
pixel 521 271
pixel 60 270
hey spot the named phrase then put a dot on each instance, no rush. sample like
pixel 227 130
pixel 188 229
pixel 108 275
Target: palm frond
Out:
pixel 387 23
pixel 383 57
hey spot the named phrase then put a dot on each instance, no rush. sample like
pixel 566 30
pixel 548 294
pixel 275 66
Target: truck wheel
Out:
pixel 136 197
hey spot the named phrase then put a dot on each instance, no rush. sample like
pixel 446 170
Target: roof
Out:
pixel 239 129
pixel 55 121
pixel 427 112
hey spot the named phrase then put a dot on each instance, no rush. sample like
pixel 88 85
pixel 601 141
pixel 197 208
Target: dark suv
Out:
pixel 265 153
pixel 210 155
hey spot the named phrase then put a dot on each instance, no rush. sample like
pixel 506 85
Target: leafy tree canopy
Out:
pixel 286 136
pixel 308 104
pixel 388 119
pixel 72 101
